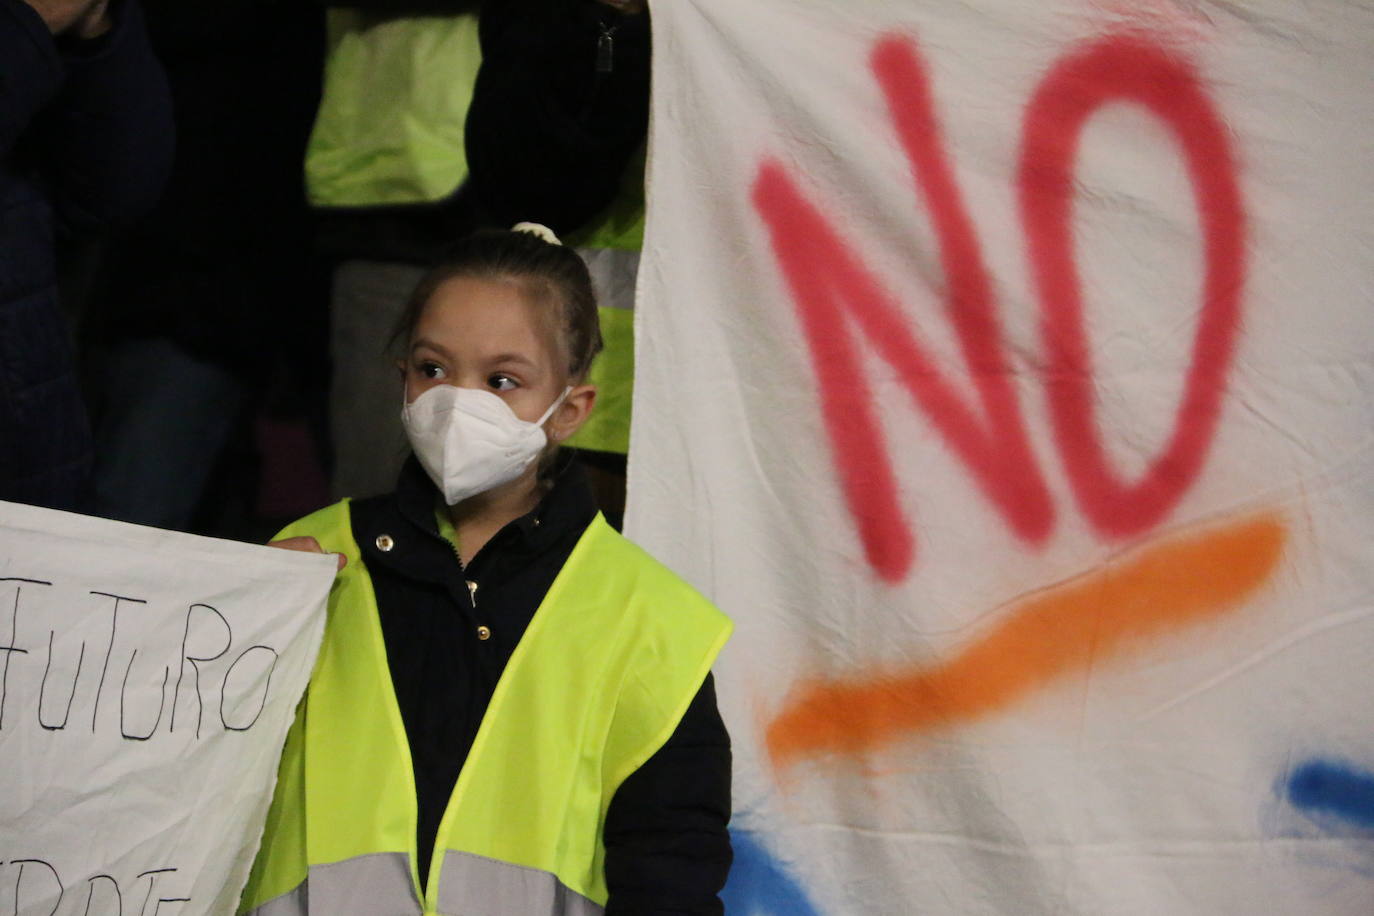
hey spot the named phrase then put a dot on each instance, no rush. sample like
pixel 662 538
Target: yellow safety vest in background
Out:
pixel 599 682
pixel 610 245
pixel 391 120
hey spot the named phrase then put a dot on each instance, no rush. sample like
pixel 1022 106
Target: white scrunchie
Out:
pixel 538 230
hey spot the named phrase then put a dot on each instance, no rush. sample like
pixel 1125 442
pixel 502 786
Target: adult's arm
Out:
pixel 667 842
pixel 549 132
pixel 106 140
pixel 30 70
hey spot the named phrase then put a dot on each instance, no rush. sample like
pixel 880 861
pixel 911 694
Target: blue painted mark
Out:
pixel 1333 788
pixel 760 885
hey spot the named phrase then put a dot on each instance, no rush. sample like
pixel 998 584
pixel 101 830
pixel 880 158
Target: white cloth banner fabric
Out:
pixel 147 681
pixel 1006 371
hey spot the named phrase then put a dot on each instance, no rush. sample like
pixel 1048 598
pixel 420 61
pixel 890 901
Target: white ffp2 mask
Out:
pixel 469 440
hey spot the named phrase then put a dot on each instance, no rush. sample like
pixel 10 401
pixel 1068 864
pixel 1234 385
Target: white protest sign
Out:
pixel 1005 370
pixel 147 681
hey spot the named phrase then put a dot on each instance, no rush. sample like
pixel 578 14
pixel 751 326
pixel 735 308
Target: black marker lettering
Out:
pixel 161 701
pixel 224 688
pixel 43 688
pixel 162 900
pixel 119 898
pixel 151 875
pixel 18 905
pixel 185 637
pixel 12 648
pixel 114 626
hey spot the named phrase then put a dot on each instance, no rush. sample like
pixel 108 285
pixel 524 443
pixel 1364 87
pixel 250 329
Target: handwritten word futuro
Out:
pixel 71 661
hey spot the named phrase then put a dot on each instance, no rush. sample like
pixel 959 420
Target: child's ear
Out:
pixel 572 413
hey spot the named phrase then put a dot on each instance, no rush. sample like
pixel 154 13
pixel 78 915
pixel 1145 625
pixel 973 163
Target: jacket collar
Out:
pixel 401 531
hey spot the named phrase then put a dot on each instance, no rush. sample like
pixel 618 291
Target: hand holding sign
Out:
pixel 306 545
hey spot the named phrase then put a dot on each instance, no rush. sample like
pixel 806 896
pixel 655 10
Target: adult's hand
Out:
pixel 306 545
pixel 83 18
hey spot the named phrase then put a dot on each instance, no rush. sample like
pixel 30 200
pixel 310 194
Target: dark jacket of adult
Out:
pixel 85 144
pixel 233 221
pixel 667 847
pixel 560 108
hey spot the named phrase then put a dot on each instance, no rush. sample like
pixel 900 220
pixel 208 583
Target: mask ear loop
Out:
pixel 405 400
pixel 554 406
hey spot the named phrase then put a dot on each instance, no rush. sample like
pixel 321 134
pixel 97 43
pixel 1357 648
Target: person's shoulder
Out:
pixel 33 68
pixel 608 547
pixel 614 553
pixel 329 522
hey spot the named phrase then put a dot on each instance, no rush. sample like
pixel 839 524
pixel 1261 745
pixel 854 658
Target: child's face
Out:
pixel 487 333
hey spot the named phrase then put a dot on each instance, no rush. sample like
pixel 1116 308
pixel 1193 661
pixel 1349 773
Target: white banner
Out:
pixel 147 681
pixel 1006 370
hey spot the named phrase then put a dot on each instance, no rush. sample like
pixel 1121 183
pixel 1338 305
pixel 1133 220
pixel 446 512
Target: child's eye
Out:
pixel 501 382
pixel 431 370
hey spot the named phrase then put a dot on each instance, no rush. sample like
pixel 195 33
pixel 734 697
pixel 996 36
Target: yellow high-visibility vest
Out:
pixel 394 108
pixel 600 680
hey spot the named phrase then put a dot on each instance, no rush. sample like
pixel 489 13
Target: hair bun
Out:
pixel 538 230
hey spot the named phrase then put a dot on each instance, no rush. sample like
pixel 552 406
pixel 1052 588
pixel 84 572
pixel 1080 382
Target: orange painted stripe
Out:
pixel 1161 586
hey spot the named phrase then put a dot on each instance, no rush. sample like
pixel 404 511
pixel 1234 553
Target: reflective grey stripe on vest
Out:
pixel 477 886
pixel 292 903
pixel 614 272
pixel 372 885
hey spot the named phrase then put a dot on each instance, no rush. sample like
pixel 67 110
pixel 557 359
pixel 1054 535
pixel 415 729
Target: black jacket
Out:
pixel 560 108
pixel 667 847
pixel 222 265
pixel 85 144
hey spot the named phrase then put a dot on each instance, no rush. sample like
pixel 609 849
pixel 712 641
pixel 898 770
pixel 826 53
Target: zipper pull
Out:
pixel 605 50
pixel 472 592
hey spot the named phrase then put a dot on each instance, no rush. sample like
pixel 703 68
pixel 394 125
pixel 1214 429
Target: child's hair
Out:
pixel 552 274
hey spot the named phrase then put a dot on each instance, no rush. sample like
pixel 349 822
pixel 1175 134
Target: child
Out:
pixel 512 711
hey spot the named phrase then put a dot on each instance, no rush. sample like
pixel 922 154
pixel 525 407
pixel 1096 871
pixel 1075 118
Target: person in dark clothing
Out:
pixel 85 145
pixel 213 295
pixel 559 110
pixel 663 828
pixel 557 113
pixel 556 134
pixel 560 749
